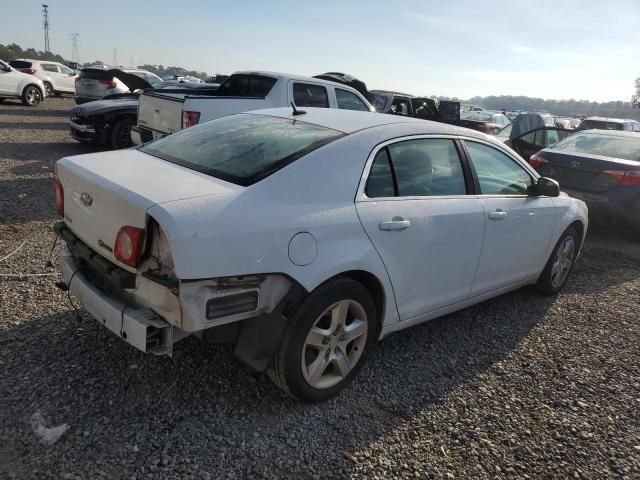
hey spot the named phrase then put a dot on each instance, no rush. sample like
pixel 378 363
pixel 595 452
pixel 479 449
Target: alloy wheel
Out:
pixel 335 344
pixel 33 96
pixel 563 261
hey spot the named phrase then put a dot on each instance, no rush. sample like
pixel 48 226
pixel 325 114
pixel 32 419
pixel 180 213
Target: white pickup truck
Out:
pixel 161 114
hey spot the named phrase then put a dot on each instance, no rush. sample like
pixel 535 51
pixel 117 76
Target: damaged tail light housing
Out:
pixel 629 178
pixel 537 161
pixel 129 245
pixel 109 83
pixel 189 119
pixel 59 193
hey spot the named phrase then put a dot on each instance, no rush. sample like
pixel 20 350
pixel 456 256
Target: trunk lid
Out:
pixel 581 171
pixel 106 191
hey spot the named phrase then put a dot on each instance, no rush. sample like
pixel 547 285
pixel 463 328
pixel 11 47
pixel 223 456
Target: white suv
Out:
pixel 15 84
pixel 57 78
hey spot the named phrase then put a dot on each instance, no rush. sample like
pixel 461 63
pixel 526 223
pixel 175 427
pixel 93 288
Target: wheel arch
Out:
pixel 374 286
pixel 31 84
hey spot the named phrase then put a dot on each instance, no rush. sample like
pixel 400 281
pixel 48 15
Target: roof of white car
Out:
pixel 349 121
pixel 289 76
pixel 609 133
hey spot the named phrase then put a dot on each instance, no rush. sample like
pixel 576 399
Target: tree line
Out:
pixel 13 51
pixel 618 109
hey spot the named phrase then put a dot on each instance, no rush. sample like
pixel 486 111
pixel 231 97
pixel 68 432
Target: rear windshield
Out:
pixel 241 85
pixel 20 64
pixel 600 125
pixel 477 116
pixel 96 74
pixel 242 149
pixel 627 148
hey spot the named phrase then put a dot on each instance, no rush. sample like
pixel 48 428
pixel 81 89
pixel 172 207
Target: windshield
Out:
pixel 627 148
pixel 242 149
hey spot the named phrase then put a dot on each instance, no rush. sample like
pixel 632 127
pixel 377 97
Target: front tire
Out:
pixel 556 272
pixel 121 134
pixel 326 341
pixel 31 96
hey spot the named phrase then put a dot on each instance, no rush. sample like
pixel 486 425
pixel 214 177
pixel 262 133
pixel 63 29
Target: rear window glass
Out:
pixel 96 74
pixel 626 148
pixel 240 85
pixel 242 149
pixel 20 64
pixel 600 125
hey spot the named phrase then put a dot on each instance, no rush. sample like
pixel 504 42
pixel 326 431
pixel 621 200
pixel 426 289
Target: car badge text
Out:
pixel 86 199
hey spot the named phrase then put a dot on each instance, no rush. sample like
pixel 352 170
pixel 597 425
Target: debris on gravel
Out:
pixel 522 386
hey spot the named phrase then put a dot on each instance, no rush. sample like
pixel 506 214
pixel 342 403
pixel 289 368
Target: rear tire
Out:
pixel 326 341
pixel 121 133
pixel 48 89
pixel 31 96
pixel 560 264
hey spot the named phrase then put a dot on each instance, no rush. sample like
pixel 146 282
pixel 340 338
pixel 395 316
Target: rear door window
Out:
pixel 50 67
pixel 310 95
pixel 417 168
pixel 350 101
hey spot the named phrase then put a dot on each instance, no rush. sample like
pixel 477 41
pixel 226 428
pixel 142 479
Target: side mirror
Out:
pixel 546 187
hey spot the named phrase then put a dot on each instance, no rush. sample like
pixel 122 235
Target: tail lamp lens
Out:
pixel 629 178
pixel 129 245
pixel 536 161
pixel 109 83
pixel 189 119
pixel 30 71
pixel 59 192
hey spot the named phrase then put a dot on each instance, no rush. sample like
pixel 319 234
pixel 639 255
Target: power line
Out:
pixel 75 54
pixel 45 24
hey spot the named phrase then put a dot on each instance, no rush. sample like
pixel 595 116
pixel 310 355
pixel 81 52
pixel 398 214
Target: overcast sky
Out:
pixel 582 49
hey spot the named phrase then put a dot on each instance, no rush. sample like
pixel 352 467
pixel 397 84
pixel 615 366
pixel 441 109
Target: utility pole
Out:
pixel 75 54
pixel 115 57
pixel 45 23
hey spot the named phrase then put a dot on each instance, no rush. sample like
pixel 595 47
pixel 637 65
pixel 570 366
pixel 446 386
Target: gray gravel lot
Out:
pixel 522 386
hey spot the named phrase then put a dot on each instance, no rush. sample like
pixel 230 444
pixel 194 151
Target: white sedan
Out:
pixel 305 237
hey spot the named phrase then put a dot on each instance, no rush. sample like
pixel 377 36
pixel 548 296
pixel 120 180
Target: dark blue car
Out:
pixel 600 167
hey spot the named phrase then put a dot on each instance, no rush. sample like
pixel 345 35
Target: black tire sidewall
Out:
pixel 302 321
pixel 544 282
pixel 117 129
pixel 48 91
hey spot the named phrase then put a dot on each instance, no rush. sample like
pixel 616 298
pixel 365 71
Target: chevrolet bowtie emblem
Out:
pixel 86 199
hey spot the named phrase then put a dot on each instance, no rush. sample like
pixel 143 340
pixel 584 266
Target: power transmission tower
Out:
pixel 115 57
pixel 45 23
pixel 75 55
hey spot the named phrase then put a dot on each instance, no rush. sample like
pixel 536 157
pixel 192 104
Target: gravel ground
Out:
pixel 522 386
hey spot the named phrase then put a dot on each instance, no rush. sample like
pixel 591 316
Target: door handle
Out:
pixel 499 214
pixel 396 223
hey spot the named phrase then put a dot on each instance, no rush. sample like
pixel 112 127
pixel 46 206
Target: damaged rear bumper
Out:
pixel 140 327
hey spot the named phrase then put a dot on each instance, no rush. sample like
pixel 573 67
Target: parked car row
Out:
pixel 17 84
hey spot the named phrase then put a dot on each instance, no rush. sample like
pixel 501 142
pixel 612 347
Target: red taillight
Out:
pixel 30 71
pixel 109 83
pixel 59 197
pixel 129 245
pixel 189 119
pixel 625 177
pixel 536 161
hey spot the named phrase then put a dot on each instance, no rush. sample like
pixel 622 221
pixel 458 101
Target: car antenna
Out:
pixel 297 112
